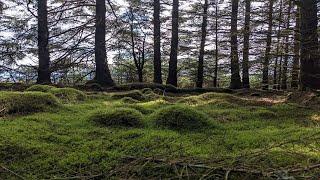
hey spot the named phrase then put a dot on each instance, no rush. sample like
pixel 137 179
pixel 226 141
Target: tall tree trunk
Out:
pixel 286 50
pixel 103 75
pixel 235 69
pixel 265 75
pixel 157 77
pixel 276 64
pixel 202 45
pixel 296 60
pixel 310 62
pixel 44 73
pixel 215 77
pixel 173 63
pixel 246 46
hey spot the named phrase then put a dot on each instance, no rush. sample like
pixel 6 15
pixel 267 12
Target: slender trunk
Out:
pixel 235 69
pixel 286 57
pixel 296 59
pixel 173 63
pixel 276 66
pixel 103 75
pixel 310 62
pixel 246 46
pixel 44 73
pixel 157 77
pixel 202 45
pixel 265 76
pixel 215 78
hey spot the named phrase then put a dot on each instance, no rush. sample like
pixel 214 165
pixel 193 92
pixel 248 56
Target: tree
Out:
pixel 202 44
pixel 246 46
pixel 44 73
pixel 277 64
pixel 215 76
pixel 103 75
pixel 286 50
pixel 173 62
pixel 265 75
pixel 296 59
pixel 157 77
pixel 310 62
pixel 235 69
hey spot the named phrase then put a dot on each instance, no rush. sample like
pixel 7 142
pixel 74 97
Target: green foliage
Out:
pixel 68 95
pixel 26 102
pixel 180 117
pixel 119 117
pixel 135 94
pixel 40 88
pixel 266 114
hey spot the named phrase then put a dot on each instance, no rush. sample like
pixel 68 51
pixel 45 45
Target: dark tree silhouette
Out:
pixel 103 75
pixel 202 45
pixel 310 62
pixel 235 69
pixel 44 73
pixel 173 63
pixel 246 46
pixel 157 77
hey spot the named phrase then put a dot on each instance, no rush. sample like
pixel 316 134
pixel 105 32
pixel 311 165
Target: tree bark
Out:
pixel 310 62
pixel 246 46
pixel 44 73
pixel 157 77
pixel 103 75
pixel 215 77
pixel 286 50
pixel 266 62
pixel 235 69
pixel 173 63
pixel 276 64
pixel 296 60
pixel 202 45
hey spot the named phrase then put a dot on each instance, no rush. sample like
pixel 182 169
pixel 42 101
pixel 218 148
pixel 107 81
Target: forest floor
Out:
pixel 248 137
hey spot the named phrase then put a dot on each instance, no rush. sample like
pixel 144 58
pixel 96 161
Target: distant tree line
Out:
pixel 245 43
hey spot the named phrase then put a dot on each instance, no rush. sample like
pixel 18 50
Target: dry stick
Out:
pixel 12 172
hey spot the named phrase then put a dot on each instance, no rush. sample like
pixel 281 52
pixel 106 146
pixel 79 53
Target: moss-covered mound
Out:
pixel 129 100
pixel 135 94
pixel 68 95
pixel 26 102
pixel 121 117
pixel 40 88
pixel 179 117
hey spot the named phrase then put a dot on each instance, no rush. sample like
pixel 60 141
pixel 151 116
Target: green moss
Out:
pixel 40 88
pixel 68 95
pixel 179 117
pixel 135 94
pixel 26 102
pixel 129 100
pixel 120 117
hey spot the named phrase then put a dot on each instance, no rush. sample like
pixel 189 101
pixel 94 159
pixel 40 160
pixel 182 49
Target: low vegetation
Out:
pixel 112 136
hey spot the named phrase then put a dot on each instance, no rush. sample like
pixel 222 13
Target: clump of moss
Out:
pixel 180 117
pixel 40 88
pixel 121 117
pixel 129 100
pixel 68 95
pixel 26 102
pixel 147 91
pixel 135 94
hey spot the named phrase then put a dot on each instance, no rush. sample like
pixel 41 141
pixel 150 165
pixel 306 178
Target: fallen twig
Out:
pixel 12 172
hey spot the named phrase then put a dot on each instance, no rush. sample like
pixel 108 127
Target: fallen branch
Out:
pixel 12 172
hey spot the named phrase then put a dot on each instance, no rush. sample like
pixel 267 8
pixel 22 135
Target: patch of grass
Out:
pixel 68 95
pixel 129 100
pixel 180 118
pixel 122 117
pixel 26 102
pixel 40 88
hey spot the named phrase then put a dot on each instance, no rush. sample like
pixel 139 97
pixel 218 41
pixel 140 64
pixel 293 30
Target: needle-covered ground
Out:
pixel 51 133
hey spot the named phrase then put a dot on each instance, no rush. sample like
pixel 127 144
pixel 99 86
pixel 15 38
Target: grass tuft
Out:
pixel 121 117
pixel 68 95
pixel 40 88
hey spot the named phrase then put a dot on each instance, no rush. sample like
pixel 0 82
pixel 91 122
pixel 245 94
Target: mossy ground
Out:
pixel 251 134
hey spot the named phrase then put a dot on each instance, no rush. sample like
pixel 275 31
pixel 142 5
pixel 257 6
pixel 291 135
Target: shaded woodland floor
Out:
pixel 247 136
